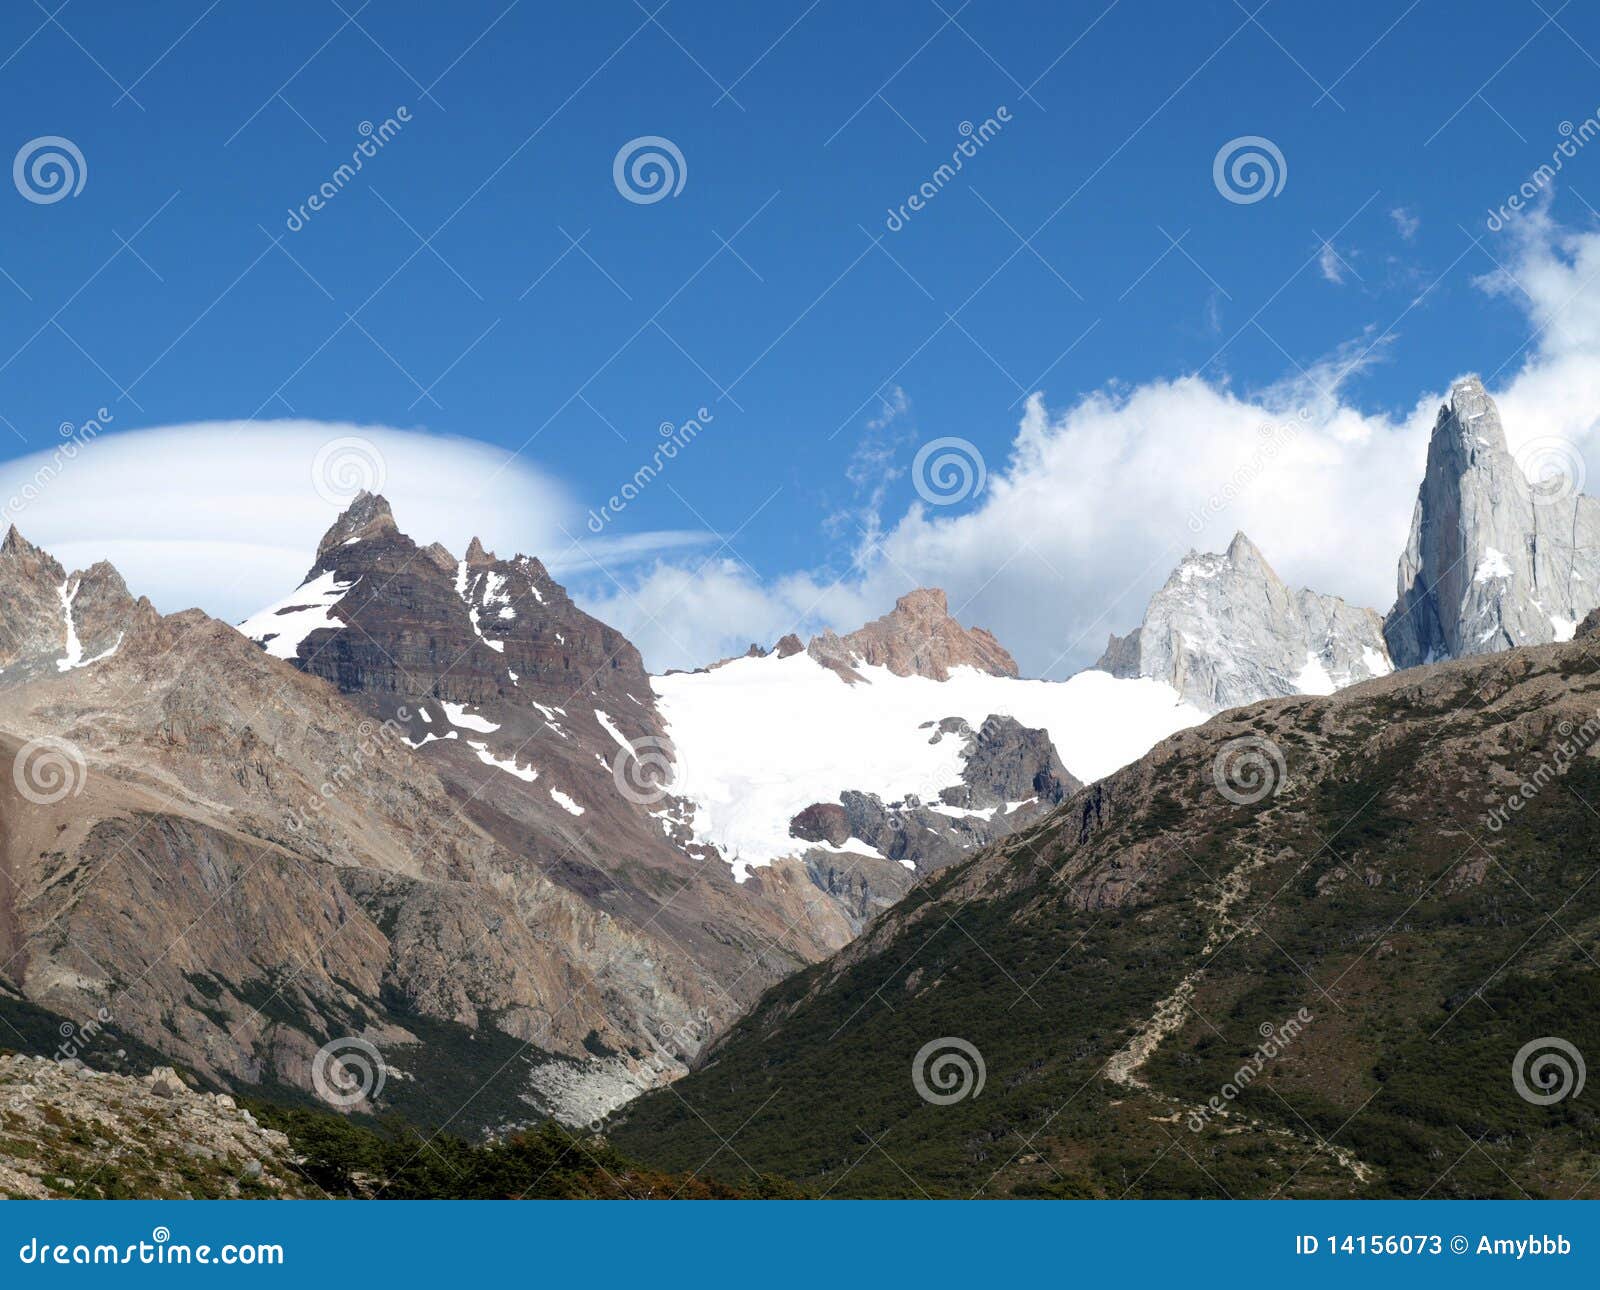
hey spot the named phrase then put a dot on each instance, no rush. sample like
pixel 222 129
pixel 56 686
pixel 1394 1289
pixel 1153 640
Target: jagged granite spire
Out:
pixel 1491 561
pixel 1225 630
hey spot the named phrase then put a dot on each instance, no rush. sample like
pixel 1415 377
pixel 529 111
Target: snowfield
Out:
pixel 281 627
pixel 759 739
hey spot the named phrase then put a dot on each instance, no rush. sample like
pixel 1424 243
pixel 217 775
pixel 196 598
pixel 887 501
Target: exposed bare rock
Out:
pixel 918 637
pixel 71 1131
pixel 1225 630
pixel 54 621
pixel 821 822
pixel 1493 560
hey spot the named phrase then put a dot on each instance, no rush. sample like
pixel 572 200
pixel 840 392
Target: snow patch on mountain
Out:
pixel 759 739
pixel 280 628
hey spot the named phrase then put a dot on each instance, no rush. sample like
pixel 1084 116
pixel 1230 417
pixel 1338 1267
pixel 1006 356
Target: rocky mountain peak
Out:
pixel 368 516
pixel 477 555
pixel 1226 630
pixel 15 544
pixel 1490 562
pixel 1244 554
pixel 1474 418
pixel 917 637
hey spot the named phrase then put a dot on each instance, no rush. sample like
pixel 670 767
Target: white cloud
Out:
pixel 1405 221
pixel 1096 502
pixel 226 515
pixel 1329 263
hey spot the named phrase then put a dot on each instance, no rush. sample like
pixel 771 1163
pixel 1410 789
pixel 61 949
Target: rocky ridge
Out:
pixel 918 637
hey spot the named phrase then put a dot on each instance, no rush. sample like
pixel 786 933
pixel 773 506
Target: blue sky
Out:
pixel 769 290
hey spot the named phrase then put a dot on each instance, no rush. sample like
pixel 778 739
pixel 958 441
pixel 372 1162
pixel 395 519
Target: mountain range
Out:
pixel 428 804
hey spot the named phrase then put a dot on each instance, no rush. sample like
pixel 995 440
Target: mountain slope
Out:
pixel 541 723
pixel 1218 973
pixel 1493 560
pixel 239 867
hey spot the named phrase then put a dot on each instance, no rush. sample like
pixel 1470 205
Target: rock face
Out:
pixel 55 622
pixel 1493 560
pixel 1011 775
pixel 1225 630
pixel 918 637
